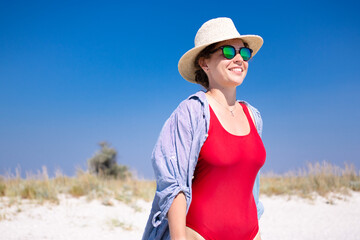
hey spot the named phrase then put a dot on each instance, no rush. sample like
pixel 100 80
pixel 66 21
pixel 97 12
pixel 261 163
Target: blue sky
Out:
pixel 74 73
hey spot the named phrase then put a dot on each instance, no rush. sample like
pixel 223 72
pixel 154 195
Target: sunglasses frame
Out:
pixel 222 49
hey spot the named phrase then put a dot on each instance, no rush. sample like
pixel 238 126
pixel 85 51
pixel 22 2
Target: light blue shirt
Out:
pixel 175 156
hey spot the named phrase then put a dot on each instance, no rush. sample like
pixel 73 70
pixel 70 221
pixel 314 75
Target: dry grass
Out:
pixel 320 178
pixel 40 188
pixel 114 222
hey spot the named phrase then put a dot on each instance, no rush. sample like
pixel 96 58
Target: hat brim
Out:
pixel 186 64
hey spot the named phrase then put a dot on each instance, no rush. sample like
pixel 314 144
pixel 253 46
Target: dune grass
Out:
pixel 40 188
pixel 316 178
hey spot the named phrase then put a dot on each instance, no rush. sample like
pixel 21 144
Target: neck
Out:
pixel 226 96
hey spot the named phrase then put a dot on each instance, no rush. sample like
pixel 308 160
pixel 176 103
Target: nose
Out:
pixel 238 58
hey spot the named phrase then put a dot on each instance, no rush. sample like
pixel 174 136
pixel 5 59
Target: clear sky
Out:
pixel 74 73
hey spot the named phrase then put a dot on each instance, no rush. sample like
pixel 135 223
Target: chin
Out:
pixel 237 79
pixel 237 82
pixel 234 84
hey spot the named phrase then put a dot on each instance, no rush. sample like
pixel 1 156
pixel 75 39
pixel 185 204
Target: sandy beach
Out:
pixel 77 218
pixel 300 219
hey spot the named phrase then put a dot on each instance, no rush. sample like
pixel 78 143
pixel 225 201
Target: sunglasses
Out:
pixel 229 52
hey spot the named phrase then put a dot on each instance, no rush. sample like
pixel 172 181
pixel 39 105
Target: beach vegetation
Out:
pixel 114 222
pixel 41 188
pixel 2 189
pixel 320 178
pixel 104 163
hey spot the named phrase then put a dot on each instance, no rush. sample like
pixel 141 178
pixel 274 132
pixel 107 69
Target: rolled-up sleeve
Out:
pixel 170 159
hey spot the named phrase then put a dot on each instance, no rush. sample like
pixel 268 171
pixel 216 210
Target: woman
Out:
pixel 209 151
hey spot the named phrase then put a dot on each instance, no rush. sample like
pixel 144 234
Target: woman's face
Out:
pixel 223 72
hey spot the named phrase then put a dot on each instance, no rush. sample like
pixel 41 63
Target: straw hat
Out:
pixel 213 31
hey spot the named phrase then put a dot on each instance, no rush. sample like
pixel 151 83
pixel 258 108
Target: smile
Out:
pixel 236 70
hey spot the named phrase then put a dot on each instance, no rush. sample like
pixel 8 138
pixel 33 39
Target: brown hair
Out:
pixel 200 76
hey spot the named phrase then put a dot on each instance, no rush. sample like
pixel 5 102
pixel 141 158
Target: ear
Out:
pixel 203 64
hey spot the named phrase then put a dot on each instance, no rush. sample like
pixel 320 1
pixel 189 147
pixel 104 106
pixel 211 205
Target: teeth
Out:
pixel 237 70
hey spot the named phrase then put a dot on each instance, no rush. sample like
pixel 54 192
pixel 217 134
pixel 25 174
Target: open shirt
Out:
pixel 175 156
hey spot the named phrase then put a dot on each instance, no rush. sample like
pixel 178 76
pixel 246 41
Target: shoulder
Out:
pixel 255 115
pixel 194 101
pixel 192 107
pixel 253 111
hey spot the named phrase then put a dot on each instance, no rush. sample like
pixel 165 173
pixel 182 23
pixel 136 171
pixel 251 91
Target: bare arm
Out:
pixel 177 218
pixel 257 237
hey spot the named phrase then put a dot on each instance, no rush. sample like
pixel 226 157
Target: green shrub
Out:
pixel 104 163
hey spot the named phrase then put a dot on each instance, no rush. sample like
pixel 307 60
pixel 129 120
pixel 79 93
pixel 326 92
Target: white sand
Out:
pixel 74 219
pixel 300 219
pixel 78 219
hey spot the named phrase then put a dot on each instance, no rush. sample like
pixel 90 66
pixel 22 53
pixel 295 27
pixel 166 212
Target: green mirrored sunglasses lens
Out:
pixel 245 53
pixel 229 52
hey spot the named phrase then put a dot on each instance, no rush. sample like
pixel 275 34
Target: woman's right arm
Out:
pixel 177 218
pixel 173 160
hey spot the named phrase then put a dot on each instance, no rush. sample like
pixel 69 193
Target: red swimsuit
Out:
pixel 223 205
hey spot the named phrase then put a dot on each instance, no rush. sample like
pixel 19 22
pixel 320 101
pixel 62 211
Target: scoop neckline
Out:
pixel 235 135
